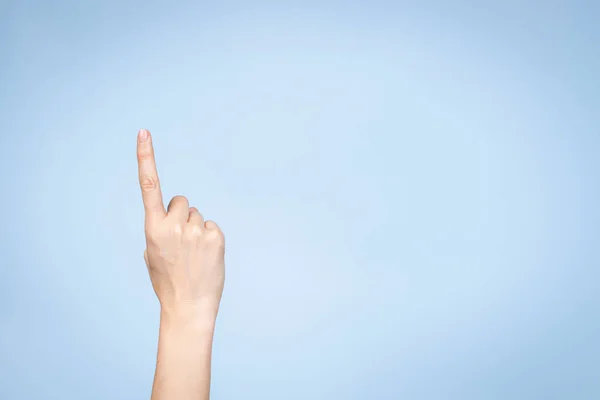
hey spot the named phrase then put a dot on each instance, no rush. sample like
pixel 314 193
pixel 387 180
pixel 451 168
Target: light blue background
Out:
pixel 410 194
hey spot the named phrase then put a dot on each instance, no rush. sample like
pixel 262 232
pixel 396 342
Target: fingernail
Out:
pixel 143 135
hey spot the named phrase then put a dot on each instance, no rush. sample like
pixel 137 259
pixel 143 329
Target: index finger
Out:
pixel 151 193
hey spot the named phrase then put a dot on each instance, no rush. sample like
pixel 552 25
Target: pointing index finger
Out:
pixel 151 193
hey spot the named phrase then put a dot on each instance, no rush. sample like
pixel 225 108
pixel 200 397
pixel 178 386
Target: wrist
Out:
pixel 194 317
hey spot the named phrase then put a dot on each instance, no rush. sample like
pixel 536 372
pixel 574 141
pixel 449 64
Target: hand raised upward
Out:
pixel 184 254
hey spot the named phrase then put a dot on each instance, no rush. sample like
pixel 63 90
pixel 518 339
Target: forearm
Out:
pixel 185 258
pixel 184 357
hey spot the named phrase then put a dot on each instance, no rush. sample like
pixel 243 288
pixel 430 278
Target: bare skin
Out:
pixel 185 259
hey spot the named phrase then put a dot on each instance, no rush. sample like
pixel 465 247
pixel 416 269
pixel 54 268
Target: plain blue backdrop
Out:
pixel 410 193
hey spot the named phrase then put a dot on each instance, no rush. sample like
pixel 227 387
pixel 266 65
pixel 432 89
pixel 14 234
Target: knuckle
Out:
pixel 178 202
pixel 145 152
pixel 177 229
pixel 144 155
pixel 179 198
pixel 196 214
pixel 216 236
pixel 148 184
pixel 194 232
pixel 211 225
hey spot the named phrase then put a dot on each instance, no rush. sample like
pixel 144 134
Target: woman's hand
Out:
pixel 184 254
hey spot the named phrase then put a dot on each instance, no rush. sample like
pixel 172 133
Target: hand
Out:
pixel 184 254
